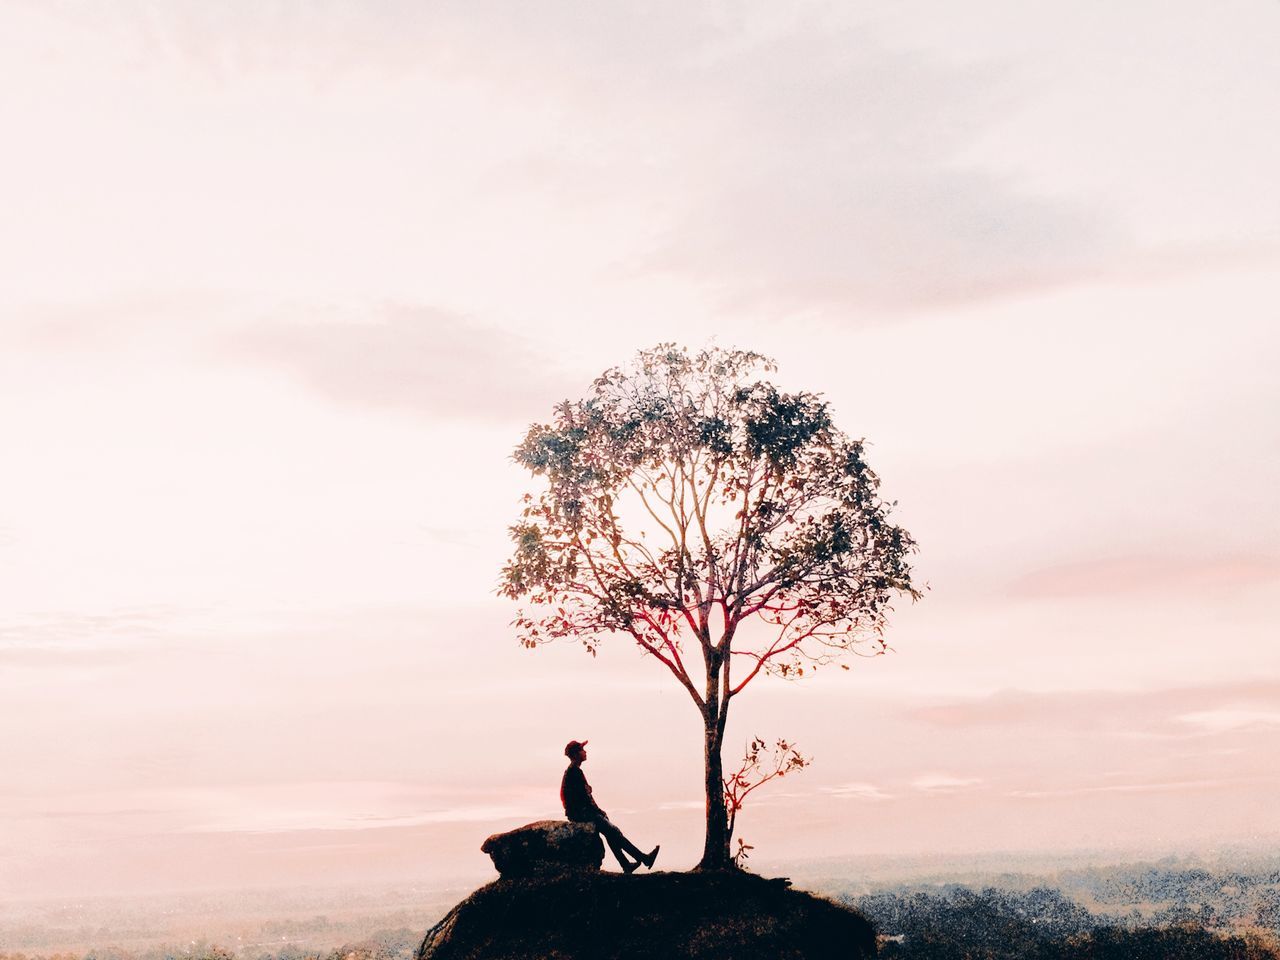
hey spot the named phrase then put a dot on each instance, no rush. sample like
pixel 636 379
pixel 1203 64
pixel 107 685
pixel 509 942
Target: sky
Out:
pixel 284 283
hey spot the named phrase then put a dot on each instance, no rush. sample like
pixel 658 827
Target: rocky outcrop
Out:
pixel 545 847
pixel 580 915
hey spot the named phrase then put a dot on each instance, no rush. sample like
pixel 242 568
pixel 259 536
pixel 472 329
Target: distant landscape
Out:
pixel 386 921
pixel 985 907
pixel 1166 910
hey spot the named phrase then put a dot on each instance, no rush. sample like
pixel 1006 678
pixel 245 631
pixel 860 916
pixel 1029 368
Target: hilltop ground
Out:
pixel 606 916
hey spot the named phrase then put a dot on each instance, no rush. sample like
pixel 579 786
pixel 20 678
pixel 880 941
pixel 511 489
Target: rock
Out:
pixel 581 915
pixel 544 847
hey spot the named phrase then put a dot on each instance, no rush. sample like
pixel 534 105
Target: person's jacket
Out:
pixel 575 796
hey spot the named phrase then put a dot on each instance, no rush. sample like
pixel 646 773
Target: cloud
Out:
pixel 64 658
pixel 114 323
pixel 284 807
pixel 857 791
pixel 1146 786
pixel 944 783
pixel 1223 719
pixel 347 805
pixel 831 174
pixel 784 159
pixel 683 805
pixel 90 639
pixel 792 160
pixel 312 818
pixel 416 359
pixel 1147 574
pixel 1176 713
pixel 393 356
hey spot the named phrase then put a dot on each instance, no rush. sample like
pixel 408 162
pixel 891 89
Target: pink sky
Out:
pixel 283 286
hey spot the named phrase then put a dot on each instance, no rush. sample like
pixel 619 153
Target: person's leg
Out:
pixel 612 837
pixel 616 839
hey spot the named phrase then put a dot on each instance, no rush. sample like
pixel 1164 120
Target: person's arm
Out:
pixel 591 798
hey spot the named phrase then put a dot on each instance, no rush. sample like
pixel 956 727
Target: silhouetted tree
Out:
pixel 706 514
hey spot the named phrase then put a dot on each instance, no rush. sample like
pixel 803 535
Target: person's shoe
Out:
pixel 629 867
pixel 649 857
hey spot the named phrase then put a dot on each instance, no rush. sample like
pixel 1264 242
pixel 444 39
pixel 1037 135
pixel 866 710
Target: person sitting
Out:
pixel 580 806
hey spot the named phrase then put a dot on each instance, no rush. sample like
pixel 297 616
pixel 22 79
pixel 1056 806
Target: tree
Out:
pixel 705 514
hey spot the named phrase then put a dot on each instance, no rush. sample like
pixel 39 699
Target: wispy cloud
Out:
pixel 1232 718
pixel 90 639
pixel 786 161
pixel 944 783
pixel 1146 786
pixel 45 627
pixel 856 791
pixel 281 807
pixel 801 205
pixel 1147 574
pixel 416 359
pixel 313 818
pixel 1169 713
pixel 682 805
pixel 63 658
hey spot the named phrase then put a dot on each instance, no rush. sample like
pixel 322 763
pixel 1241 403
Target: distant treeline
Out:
pixel 957 923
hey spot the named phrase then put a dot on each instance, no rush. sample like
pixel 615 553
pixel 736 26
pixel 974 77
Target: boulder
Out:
pixel 546 846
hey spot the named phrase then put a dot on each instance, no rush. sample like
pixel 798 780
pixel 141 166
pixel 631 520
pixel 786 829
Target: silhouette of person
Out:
pixel 581 807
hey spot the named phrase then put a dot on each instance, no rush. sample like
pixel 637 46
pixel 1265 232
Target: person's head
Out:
pixel 576 750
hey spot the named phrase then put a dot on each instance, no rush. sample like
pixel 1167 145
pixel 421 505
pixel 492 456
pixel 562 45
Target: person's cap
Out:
pixel 573 746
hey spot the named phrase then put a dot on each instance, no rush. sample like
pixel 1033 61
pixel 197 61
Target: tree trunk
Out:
pixel 715 851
